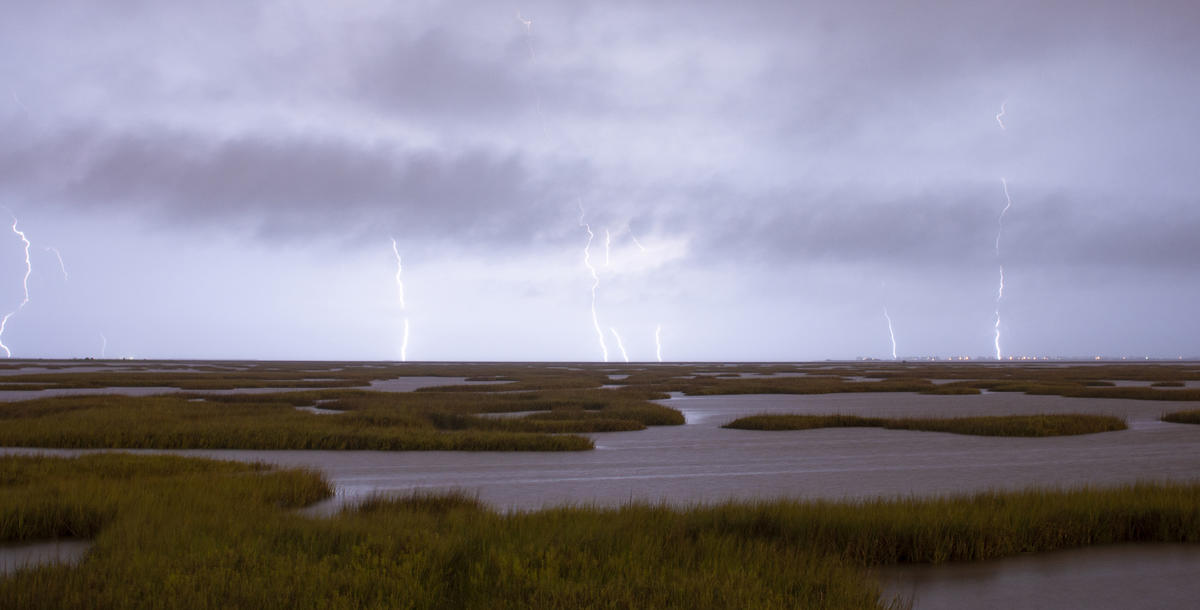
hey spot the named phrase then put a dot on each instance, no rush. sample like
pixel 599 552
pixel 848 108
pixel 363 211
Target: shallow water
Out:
pixel 700 461
pixel 18 556
pixel 408 384
pixel 401 384
pixel 1123 576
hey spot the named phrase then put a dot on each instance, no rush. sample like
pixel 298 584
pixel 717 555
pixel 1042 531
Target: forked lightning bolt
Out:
pixel 587 262
pixel 25 285
pixel 1000 290
pixel 1000 221
pixel 999 234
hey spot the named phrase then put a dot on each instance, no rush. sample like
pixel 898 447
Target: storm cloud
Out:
pixel 740 141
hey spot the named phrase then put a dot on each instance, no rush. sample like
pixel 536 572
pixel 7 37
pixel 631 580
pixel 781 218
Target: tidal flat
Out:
pixel 492 438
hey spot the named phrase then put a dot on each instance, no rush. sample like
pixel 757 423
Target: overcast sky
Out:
pixel 224 179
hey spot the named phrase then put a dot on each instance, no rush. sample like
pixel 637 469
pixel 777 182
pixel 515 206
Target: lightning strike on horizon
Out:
pixel 891 332
pixel 25 284
pixel 1000 115
pixel 999 296
pixel 620 344
pixel 61 264
pixel 658 342
pixel 999 261
pixel 587 262
pixel 404 343
pixel 400 294
pixel 1000 289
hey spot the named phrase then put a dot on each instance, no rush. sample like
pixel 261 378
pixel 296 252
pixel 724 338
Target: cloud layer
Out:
pixel 756 138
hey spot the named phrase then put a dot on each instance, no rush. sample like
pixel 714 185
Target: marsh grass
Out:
pixel 1068 381
pixel 1183 417
pixel 644 381
pixel 367 420
pixel 1000 425
pixel 567 400
pixel 183 533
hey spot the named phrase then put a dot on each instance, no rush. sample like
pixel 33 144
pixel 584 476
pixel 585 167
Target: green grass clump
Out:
pixel 183 533
pixel 376 420
pixel 249 422
pixel 1000 425
pixel 366 420
pixel 1183 417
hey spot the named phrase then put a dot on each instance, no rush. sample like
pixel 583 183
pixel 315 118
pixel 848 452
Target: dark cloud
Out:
pixel 310 185
pixel 954 226
pixel 430 75
pixel 764 134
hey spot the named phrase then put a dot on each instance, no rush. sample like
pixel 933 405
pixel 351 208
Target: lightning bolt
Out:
pixel 400 294
pixel 607 247
pixel 999 234
pixel 620 344
pixel 537 96
pixel 658 342
pixel 1000 289
pixel 999 295
pixel 25 284
pixel 1000 221
pixel 587 262
pixel 891 332
pixel 636 242
pixel 61 264
pixel 404 343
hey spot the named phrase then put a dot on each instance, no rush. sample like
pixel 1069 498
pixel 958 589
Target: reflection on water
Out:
pixel 1126 576
pixel 18 556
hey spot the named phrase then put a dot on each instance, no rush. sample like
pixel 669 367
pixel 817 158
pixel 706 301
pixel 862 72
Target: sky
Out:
pixel 762 180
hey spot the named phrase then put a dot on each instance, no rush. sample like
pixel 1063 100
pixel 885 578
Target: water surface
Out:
pixel 701 462
pixel 1159 576
pixel 14 557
